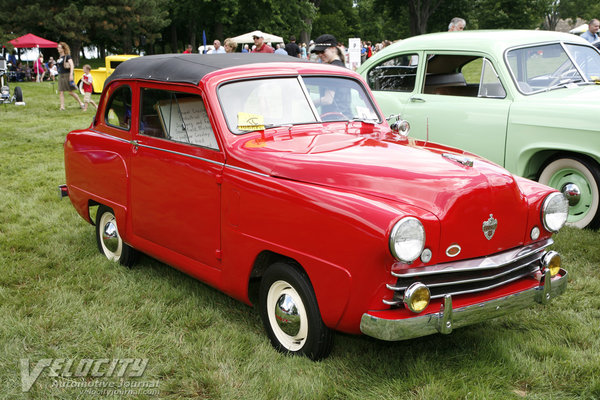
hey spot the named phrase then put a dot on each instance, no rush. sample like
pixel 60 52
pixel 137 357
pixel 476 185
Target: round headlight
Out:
pixel 555 211
pixel 407 239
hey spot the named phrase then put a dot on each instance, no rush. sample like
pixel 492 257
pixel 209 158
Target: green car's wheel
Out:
pixel 579 179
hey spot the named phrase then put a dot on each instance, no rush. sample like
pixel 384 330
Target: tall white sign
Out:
pixel 354 48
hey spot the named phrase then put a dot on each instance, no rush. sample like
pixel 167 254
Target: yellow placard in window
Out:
pixel 250 122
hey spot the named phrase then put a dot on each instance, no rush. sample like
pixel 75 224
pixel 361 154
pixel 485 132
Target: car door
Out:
pixel 461 102
pixel 393 81
pixel 175 179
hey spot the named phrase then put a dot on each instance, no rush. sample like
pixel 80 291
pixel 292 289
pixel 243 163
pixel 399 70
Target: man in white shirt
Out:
pixel 218 48
pixel 591 35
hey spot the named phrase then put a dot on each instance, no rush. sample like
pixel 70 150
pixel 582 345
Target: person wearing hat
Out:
pixel 261 46
pixel 327 50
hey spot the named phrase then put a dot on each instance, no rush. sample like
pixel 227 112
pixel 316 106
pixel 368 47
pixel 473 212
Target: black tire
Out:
pixel 109 241
pixel 582 174
pixel 18 93
pixel 299 329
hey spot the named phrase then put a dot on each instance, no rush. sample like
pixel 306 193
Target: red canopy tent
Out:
pixel 32 41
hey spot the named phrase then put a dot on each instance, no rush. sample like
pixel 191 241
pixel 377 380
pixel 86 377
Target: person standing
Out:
pixel 292 49
pixel 457 24
pixel 38 69
pixel 591 35
pixel 261 46
pixel 65 74
pixel 218 48
pixel 229 45
pixel 88 88
pixel 188 49
pixel 280 50
pixel 327 50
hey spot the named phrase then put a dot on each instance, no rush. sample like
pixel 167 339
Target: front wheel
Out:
pixel 18 93
pixel 290 313
pixel 578 179
pixel 109 241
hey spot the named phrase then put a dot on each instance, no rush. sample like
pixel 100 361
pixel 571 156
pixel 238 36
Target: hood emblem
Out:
pixel 466 161
pixel 489 227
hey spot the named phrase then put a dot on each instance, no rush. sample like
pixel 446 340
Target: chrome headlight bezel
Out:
pixel 555 211
pixel 407 239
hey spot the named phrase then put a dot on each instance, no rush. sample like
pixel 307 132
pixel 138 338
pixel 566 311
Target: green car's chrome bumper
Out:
pixel 449 318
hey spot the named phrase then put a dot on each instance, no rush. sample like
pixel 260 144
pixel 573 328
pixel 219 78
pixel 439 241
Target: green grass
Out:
pixel 59 298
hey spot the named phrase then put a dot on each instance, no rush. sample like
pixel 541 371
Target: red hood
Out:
pixel 461 197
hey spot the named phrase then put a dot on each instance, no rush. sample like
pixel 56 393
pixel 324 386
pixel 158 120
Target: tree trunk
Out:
pixel 75 50
pixel 218 31
pixel 174 39
pixel 420 11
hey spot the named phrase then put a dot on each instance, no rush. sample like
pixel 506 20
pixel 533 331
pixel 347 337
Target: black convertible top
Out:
pixel 187 68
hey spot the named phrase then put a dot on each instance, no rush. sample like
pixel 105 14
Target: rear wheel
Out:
pixel 290 313
pixel 579 179
pixel 109 241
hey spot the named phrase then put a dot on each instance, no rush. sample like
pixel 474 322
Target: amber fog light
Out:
pixel 551 260
pixel 416 297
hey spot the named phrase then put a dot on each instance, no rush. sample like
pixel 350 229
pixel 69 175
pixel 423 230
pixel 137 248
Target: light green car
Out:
pixel 527 100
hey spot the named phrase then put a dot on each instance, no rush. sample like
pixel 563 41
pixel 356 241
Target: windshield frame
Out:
pixel 563 45
pixel 300 78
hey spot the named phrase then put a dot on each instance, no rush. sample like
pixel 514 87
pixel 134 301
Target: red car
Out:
pixel 279 182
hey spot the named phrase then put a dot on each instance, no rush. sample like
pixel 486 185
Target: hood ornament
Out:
pixel 489 227
pixel 466 161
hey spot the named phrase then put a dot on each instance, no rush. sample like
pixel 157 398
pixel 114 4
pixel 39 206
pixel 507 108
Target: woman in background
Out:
pixel 66 81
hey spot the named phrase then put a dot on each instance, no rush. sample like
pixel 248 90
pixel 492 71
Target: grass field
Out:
pixel 60 299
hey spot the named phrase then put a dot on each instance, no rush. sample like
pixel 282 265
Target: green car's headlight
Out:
pixel 407 239
pixel 555 211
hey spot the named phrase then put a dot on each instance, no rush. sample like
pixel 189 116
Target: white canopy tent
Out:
pixel 580 29
pixel 247 37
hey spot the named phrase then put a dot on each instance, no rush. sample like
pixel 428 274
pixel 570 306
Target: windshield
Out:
pixel 263 103
pixel 545 67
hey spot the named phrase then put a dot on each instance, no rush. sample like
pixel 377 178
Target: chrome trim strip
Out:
pixel 247 170
pixel 408 328
pixel 466 281
pixel 136 143
pixel 489 262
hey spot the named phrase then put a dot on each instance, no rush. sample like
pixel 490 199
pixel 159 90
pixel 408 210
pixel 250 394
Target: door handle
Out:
pixel 414 99
pixel 135 144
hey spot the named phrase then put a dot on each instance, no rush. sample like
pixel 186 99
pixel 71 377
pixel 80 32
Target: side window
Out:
pixel 394 74
pixel 490 85
pixel 118 110
pixel 462 75
pixel 176 116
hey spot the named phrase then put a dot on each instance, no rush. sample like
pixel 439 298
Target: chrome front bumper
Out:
pixel 448 318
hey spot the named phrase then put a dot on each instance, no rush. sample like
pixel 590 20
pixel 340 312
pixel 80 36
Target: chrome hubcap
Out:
pixel 110 236
pixel 287 316
pixel 572 193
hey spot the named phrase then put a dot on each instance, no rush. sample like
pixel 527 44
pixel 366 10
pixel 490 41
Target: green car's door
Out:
pixel 393 81
pixel 461 103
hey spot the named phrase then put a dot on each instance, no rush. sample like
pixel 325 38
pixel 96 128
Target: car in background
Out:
pixel 99 75
pixel 280 183
pixel 526 100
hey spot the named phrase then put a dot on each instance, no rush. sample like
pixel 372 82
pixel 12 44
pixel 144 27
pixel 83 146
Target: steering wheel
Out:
pixel 325 116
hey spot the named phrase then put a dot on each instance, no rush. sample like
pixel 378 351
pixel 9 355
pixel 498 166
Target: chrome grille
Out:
pixel 471 276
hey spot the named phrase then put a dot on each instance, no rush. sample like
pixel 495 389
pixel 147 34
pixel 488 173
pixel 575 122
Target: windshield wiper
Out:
pixel 564 83
pixel 364 120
